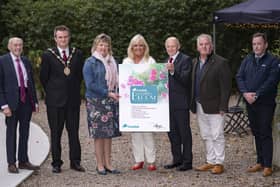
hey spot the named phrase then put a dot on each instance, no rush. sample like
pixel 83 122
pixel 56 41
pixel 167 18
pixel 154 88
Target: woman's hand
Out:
pixel 114 96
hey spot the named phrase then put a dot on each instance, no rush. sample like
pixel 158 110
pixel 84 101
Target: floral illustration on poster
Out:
pixel 144 95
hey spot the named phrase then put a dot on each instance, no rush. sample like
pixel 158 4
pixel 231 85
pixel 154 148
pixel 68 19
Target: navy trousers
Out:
pixel 180 137
pixel 69 117
pixel 260 118
pixel 21 115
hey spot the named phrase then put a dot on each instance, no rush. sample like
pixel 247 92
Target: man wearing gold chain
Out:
pixel 61 76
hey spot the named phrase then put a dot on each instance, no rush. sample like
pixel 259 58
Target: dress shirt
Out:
pixel 61 53
pixel 174 56
pixel 17 74
pixel 173 60
pixel 23 70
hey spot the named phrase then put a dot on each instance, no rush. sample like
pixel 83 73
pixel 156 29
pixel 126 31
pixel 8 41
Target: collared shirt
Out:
pixel 199 70
pixel 22 68
pixel 259 56
pixel 61 53
pixel 173 58
pixel 202 63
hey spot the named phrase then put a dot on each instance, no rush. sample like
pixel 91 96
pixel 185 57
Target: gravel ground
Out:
pixel 239 154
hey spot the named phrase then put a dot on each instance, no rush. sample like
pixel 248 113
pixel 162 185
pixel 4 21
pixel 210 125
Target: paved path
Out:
pixel 38 151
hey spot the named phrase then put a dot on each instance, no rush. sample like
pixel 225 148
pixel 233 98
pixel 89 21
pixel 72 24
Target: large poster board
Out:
pixel 144 101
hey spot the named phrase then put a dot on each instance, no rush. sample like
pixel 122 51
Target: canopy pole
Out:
pixel 214 37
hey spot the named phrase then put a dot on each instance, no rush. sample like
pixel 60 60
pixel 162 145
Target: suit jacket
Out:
pixel 215 85
pixel 61 90
pixel 180 83
pixel 9 88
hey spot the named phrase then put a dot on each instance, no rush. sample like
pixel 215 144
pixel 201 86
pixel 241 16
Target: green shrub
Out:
pixel 34 20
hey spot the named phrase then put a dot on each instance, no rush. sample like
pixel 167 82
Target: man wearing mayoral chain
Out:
pixel 61 76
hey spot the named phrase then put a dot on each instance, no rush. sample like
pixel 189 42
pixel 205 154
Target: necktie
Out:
pixel 64 56
pixel 21 80
pixel 170 60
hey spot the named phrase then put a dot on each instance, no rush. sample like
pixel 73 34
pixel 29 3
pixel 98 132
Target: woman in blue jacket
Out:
pixel 101 79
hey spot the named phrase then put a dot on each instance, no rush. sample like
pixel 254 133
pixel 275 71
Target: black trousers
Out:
pixel 180 137
pixel 260 118
pixel 70 117
pixel 22 115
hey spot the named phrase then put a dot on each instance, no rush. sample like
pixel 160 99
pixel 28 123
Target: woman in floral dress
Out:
pixel 101 80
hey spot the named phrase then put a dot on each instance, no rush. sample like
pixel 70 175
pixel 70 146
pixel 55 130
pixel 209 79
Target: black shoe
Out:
pixel 184 167
pixel 56 169
pixel 77 167
pixel 113 171
pixel 171 166
pixel 12 168
pixel 102 172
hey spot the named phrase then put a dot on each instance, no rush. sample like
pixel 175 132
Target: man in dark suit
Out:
pixel 179 66
pixel 257 80
pixel 17 100
pixel 61 76
pixel 211 85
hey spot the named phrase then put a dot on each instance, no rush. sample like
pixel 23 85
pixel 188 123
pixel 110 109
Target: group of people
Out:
pixel 202 85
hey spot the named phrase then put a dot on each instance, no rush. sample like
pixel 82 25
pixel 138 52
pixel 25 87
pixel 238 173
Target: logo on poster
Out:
pixel 130 126
pixel 143 94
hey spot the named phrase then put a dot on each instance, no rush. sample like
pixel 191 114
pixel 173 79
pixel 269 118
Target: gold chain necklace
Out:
pixel 66 70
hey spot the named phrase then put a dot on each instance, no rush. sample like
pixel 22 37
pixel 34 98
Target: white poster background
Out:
pixel 143 117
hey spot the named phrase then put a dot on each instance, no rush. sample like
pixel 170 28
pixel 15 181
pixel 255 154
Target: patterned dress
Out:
pixel 102 116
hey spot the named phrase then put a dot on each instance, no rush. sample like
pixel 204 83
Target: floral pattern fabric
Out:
pixel 102 116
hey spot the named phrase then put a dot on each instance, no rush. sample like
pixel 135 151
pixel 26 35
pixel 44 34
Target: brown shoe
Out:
pixel 28 166
pixel 267 172
pixel 12 168
pixel 217 169
pixel 255 168
pixel 205 167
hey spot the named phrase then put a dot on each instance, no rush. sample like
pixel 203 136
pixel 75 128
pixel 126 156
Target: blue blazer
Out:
pixel 9 88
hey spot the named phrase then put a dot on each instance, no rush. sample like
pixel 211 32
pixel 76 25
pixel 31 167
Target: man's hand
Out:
pixel 250 97
pixel 7 112
pixel 222 113
pixel 37 108
pixel 170 67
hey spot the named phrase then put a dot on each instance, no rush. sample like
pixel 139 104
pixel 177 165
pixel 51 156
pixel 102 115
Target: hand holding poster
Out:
pixel 144 104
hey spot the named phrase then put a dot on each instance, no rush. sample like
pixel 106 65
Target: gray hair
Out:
pixel 175 39
pixel 209 38
pixel 13 39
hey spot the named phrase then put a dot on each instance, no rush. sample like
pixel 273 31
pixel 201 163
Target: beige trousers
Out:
pixel 212 132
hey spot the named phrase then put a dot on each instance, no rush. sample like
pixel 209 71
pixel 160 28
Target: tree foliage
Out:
pixel 34 20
